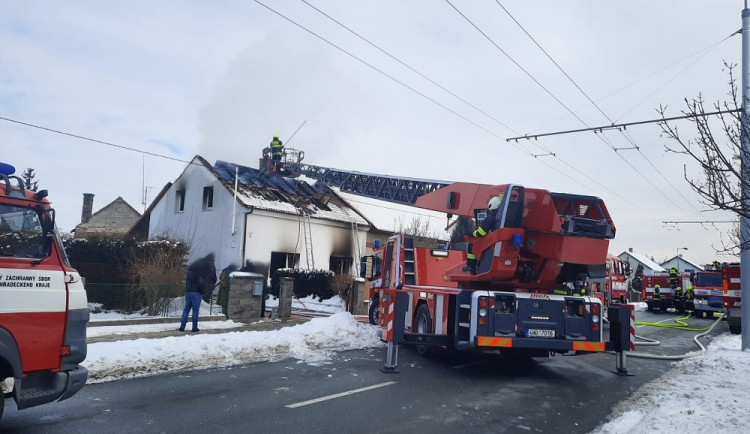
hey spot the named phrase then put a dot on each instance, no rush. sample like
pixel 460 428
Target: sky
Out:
pixel 716 375
pixel 427 90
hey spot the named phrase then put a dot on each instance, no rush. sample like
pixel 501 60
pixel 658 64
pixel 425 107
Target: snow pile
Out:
pixel 707 393
pixel 311 342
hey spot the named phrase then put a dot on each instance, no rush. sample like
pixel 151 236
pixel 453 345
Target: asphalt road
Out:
pixel 447 394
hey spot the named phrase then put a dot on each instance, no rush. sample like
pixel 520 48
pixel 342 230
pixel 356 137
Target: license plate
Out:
pixel 539 333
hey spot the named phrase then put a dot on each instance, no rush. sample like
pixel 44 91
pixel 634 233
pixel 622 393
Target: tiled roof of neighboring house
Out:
pixel 643 259
pixel 113 219
pixel 286 195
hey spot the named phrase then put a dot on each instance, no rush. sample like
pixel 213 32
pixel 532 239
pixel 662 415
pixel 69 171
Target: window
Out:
pixel 208 198
pixel 21 233
pixel 180 201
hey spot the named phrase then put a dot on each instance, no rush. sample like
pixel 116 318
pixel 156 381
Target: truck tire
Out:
pixel 424 325
pixel 734 329
pixel 373 313
pixel 2 403
pixel 698 314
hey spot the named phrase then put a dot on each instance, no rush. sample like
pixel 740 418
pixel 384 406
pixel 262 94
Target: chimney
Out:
pixel 88 205
pixel 630 250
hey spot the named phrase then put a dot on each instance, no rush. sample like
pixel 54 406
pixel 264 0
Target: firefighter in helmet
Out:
pixel 689 297
pixel 657 297
pixel 277 150
pixel 673 277
pixel 677 300
pixel 487 226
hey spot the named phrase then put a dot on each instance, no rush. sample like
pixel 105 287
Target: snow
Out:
pixel 708 392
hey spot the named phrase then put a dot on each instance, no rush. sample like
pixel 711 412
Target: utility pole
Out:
pixel 745 173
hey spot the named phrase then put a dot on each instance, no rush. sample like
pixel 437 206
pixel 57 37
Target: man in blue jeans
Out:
pixel 200 279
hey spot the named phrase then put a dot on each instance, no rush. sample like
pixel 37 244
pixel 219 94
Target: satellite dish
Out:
pixel 7 169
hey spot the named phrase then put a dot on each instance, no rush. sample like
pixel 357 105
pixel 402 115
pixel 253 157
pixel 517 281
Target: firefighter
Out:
pixel 689 297
pixel 277 150
pixel 580 292
pixel 673 277
pixel 560 291
pixel 656 298
pixel 677 300
pixel 487 226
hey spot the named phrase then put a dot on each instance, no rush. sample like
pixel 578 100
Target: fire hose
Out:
pixel 652 342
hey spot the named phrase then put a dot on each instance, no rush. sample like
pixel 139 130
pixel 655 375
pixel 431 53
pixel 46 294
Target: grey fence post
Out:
pixel 245 296
pixel 358 296
pixel 286 292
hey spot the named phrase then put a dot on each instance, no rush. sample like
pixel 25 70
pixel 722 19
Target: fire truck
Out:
pixel 612 287
pixel 43 307
pixel 665 292
pixel 543 241
pixel 520 300
pixel 709 294
pixel 730 276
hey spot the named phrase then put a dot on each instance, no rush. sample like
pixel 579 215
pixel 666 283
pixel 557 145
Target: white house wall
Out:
pixel 272 232
pixel 206 230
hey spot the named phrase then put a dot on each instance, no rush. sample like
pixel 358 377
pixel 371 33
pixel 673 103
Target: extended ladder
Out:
pixel 357 251
pixel 308 241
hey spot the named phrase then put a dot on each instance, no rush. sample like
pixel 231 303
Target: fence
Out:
pixel 108 301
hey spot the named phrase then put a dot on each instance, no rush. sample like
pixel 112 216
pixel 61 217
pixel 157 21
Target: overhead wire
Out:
pixel 102 142
pixel 630 139
pixel 576 170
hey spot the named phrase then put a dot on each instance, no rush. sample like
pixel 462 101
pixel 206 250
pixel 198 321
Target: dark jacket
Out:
pixel 201 276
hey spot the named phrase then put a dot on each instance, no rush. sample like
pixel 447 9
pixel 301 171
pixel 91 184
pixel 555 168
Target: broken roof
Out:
pixel 256 189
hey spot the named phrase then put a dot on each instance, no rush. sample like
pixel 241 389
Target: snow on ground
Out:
pixel 709 392
pixel 311 342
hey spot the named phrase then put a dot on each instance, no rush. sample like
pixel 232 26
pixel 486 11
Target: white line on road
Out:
pixel 339 395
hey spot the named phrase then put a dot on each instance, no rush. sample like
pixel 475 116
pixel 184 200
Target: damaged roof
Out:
pixel 256 189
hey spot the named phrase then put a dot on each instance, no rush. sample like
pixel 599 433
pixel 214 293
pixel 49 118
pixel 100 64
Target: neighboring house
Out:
pixel 682 265
pixel 649 267
pixel 271 221
pixel 113 220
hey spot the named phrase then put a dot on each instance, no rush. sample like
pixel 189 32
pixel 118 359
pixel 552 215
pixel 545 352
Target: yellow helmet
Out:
pixel 275 136
pixel 657 286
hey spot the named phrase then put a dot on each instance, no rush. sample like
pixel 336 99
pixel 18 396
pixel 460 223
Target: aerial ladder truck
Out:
pixel 520 299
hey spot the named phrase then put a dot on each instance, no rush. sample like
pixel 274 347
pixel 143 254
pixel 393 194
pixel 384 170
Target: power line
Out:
pixel 602 138
pixel 602 128
pixel 406 65
pixel 77 136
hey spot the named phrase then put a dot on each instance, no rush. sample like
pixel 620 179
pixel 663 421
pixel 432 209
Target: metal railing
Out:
pixel 110 301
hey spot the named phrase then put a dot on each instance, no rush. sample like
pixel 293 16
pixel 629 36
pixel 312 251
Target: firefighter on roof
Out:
pixel 277 150
pixel 487 226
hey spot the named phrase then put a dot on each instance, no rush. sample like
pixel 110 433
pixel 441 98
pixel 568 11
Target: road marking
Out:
pixel 339 395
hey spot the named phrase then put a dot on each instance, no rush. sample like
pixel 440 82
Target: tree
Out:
pixel 418 227
pixel 464 226
pixel 28 179
pixel 720 183
pixel 636 284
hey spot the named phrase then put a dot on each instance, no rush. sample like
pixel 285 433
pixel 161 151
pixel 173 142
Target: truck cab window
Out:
pixel 21 233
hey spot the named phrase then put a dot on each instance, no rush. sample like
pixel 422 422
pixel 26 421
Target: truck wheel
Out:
pixel 698 314
pixel 373 314
pixel 424 325
pixel 2 403
pixel 734 329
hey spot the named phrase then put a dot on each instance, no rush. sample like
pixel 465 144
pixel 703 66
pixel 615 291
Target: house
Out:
pixel 682 265
pixel 245 215
pixel 649 267
pixel 113 220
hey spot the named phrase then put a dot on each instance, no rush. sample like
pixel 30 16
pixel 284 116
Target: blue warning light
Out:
pixel 7 169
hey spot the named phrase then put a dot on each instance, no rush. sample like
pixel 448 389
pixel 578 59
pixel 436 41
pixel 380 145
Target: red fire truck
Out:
pixel 730 276
pixel 43 308
pixel 665 292
pixel 709 294
pixel 542 242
